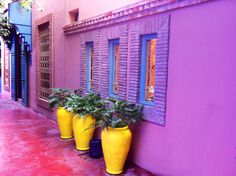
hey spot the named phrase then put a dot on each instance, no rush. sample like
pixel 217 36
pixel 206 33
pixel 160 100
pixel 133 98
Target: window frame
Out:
pixel 112 43
pixel 144 40
pixel 74 16
pixel 44 62
pixel 41 21
pixel 89 45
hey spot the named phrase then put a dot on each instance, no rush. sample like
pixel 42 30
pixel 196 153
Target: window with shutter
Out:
pixel 6 68
pixel 114 67
pixel 90 57
pixel 148 68
pixel 44 80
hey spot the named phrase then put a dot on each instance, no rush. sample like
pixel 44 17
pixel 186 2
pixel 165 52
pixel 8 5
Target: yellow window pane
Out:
pixel 116 62
pixel 151 68
pixel 91 68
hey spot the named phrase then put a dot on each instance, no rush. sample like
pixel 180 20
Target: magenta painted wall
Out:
pixel 59 19
pixel 96 7
pixel 66 50
pixel 199 136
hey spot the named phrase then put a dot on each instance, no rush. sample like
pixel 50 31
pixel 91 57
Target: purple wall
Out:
pixel 199 136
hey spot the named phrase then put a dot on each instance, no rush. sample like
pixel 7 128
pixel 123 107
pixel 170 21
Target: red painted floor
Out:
pixel 30 146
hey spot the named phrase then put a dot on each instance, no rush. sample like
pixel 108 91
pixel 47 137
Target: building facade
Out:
pixel 5 68
pixel 177 58
pixel 16 54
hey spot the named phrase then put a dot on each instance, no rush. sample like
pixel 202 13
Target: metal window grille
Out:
pixel 116 63
pixel 91 67
pixel 44 61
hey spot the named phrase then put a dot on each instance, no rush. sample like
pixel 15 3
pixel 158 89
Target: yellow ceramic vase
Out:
pixel 64 120
pixel 82 136
pixel 116 144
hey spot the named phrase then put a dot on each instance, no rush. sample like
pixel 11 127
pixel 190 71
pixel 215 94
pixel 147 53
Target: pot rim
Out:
pixel 117 129
pixel 87 115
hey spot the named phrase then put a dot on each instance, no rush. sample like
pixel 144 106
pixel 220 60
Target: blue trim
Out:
pixel 25 34
pixel 24 74
pixel 25 25
pixel 13 67
pixel 22 19
pixel 145 39
pixel 112 65
pixel 89 45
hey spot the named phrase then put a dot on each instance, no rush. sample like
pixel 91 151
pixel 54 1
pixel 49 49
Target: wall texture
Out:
pixel 97 7
pixel 198 139
pixel 199 136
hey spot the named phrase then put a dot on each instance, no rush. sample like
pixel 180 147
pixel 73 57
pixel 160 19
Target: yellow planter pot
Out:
pixel 82 136
pixel 64 120
pixel 116 144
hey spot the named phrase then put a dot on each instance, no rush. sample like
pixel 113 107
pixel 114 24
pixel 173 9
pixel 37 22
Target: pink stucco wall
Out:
pixel 90 8
pixel 66 50
pixel 59 19
pixel 199 136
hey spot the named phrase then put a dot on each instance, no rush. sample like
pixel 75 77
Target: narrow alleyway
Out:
pixel 30 146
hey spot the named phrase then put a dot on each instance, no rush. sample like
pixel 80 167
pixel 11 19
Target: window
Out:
pixel 90 57
pixel 74 15
pixel 44 62
pixel 6 68
pixel 114 62
pixel 148 68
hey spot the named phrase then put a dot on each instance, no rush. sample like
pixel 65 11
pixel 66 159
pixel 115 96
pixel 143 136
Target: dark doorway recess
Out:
pixel 18 68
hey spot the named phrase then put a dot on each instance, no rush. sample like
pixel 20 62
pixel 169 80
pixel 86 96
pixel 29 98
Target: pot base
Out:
pixel 66 137
pixel 113 172
pixel 82 149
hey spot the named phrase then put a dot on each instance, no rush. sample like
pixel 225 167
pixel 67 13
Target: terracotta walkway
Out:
pixel 30 146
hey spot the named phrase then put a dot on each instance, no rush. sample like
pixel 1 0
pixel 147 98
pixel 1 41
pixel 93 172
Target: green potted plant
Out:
pixel 115 119
pixel 85 110
pixel 57 99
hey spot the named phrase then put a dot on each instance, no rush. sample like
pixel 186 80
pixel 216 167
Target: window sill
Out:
pixel 152 114
pixel 146 103
pixel 114 96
